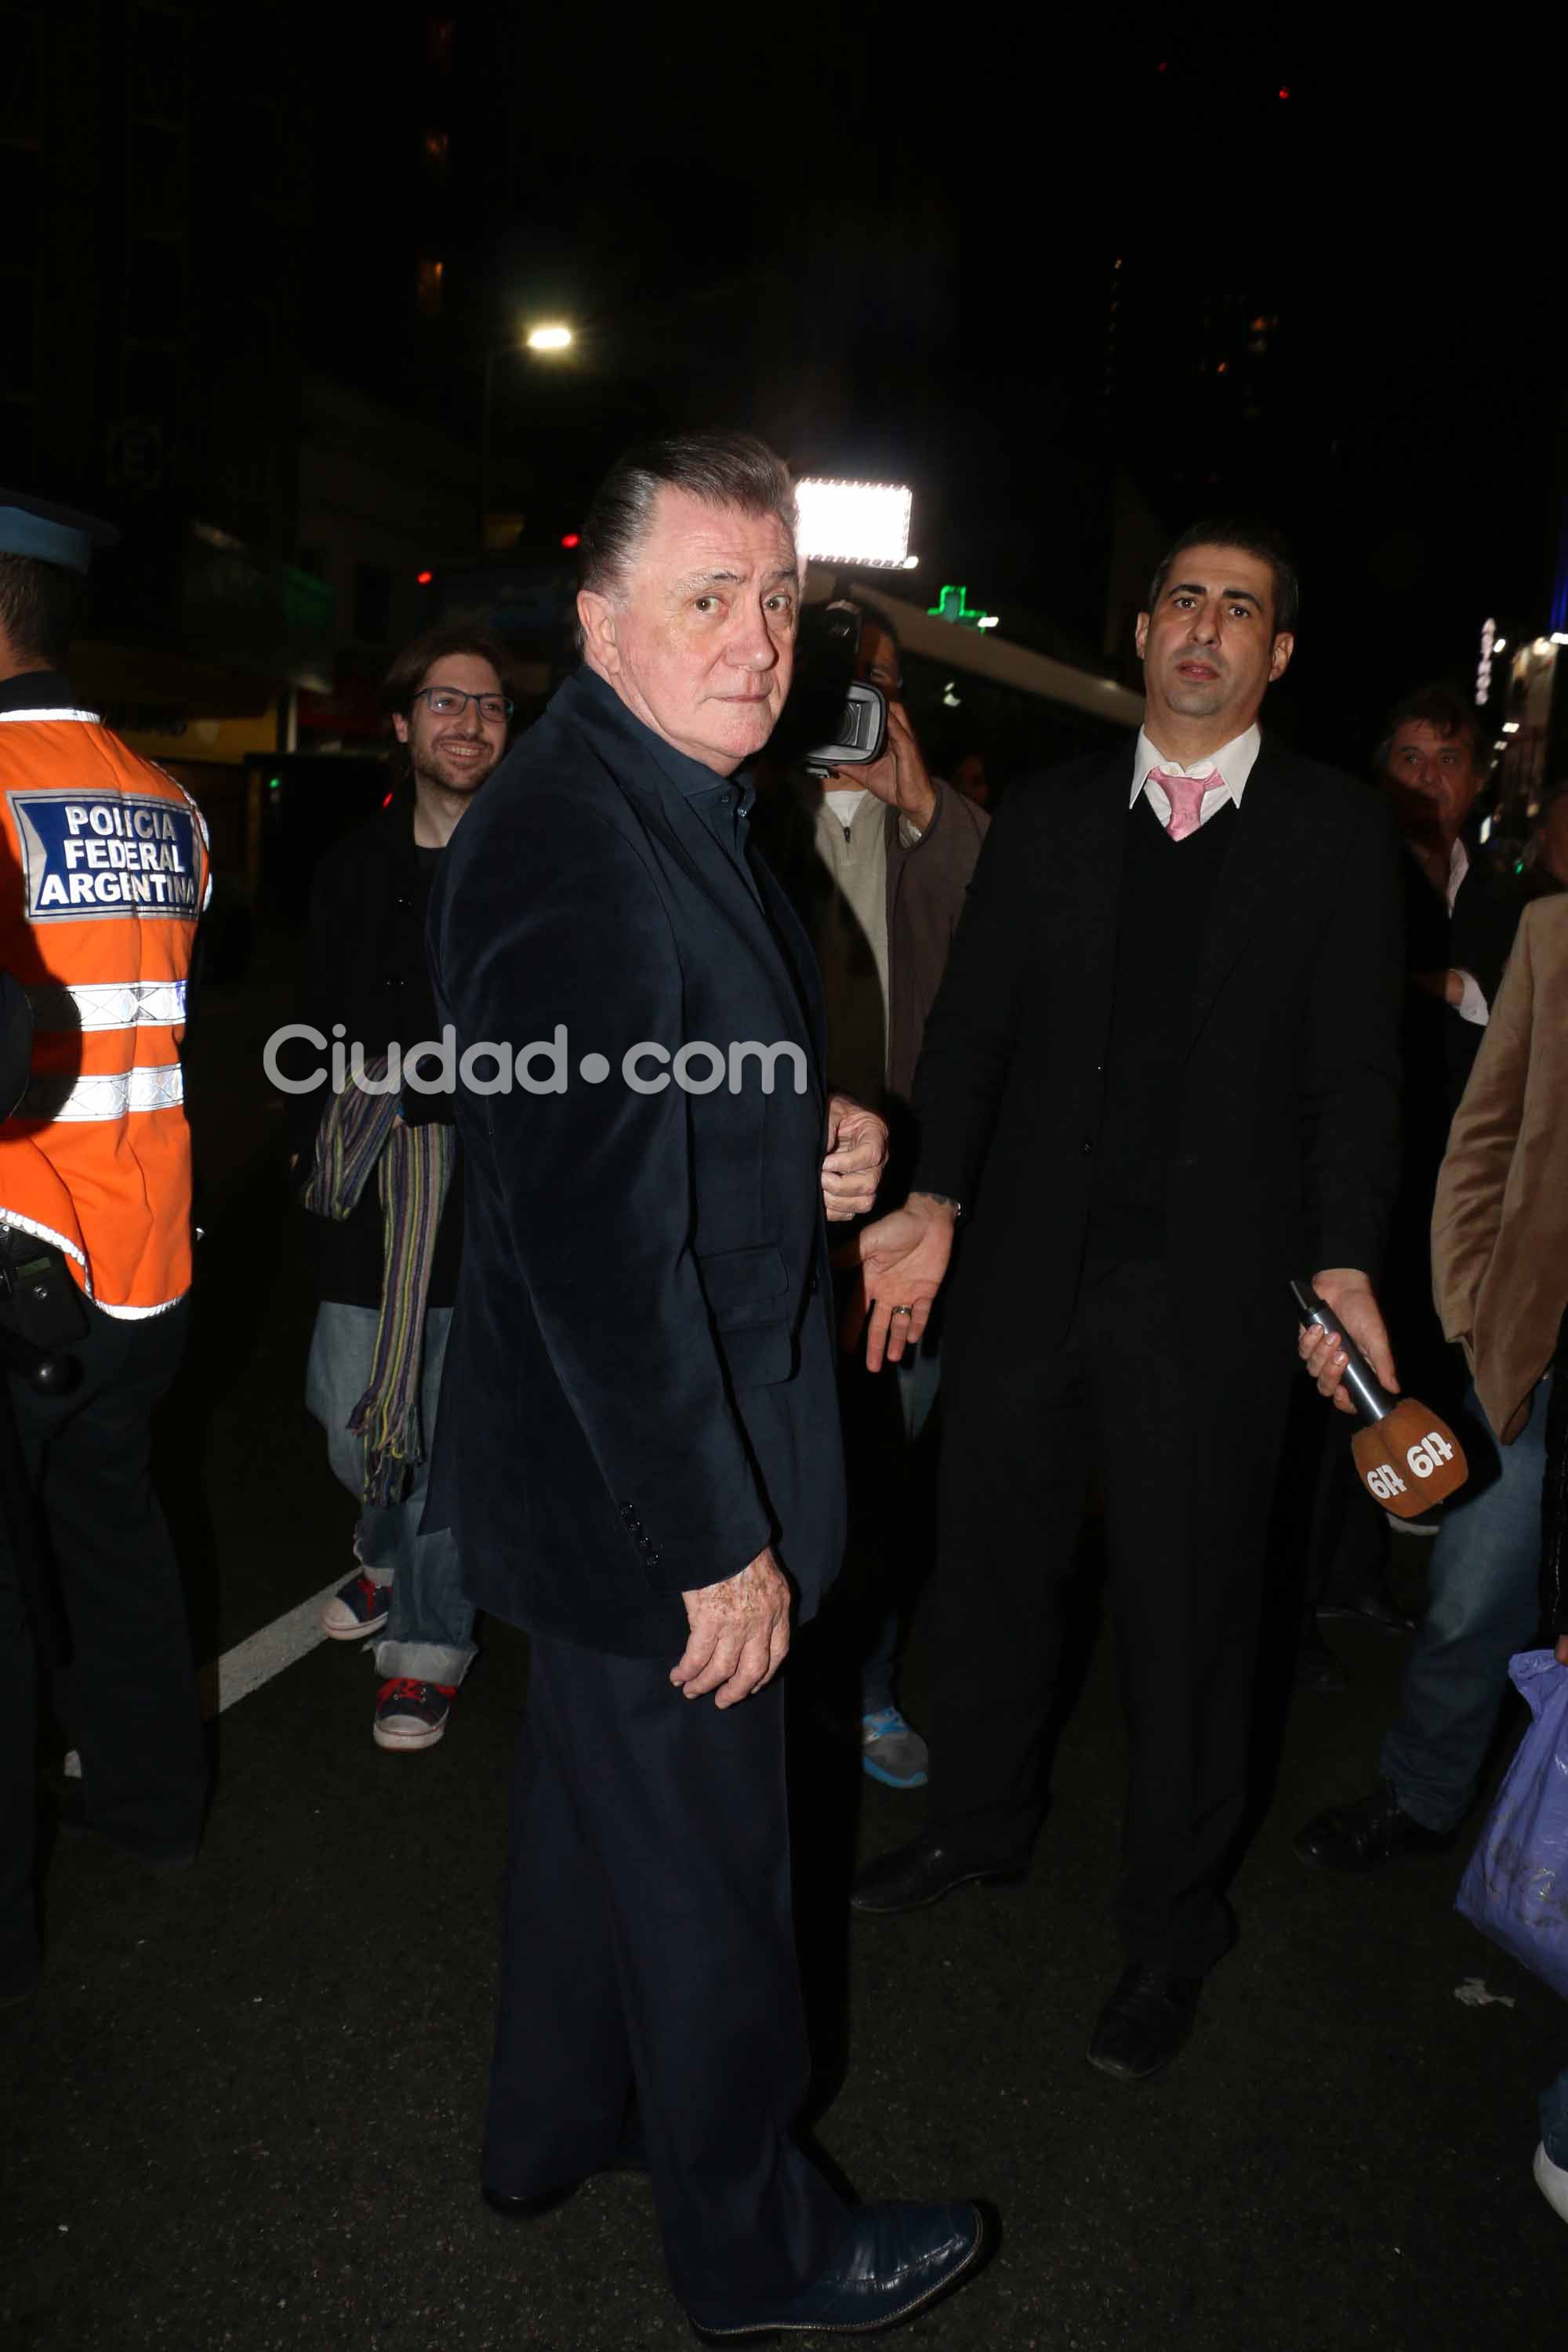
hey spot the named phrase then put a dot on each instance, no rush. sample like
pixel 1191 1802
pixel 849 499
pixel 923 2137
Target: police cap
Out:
pixel 50 534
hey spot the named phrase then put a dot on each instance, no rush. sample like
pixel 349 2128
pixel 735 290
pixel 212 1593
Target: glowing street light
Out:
pixel 549 339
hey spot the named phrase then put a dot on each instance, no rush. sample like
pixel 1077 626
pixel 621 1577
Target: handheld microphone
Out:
pixel 1404 1456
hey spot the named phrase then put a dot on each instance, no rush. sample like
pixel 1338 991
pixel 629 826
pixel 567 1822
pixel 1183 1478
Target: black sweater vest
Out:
pixel 1167 889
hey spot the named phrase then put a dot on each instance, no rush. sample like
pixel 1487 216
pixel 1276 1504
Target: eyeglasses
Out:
pixel 450 703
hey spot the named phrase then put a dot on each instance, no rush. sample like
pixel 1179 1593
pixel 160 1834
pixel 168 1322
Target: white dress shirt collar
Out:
pixel 1231 765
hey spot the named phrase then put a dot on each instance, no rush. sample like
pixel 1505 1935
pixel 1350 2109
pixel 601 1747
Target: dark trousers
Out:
pixel 1185 1459
pixel 649 1960
pixel 125 1687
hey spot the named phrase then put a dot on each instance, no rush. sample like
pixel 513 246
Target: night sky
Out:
pixel 896 256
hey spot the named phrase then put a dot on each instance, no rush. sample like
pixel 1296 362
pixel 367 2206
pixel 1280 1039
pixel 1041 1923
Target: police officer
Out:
pixel 103 874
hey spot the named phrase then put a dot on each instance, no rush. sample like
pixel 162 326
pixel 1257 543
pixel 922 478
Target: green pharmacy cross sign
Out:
pixel 953 605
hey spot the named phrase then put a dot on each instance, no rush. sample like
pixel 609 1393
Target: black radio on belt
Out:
pixel 41 1313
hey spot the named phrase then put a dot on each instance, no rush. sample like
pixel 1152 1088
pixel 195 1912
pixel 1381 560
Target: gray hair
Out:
pixel 722 470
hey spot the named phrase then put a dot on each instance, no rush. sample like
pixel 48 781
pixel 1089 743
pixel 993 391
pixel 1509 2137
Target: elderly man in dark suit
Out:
pixel 638 1446
pixel 1160 1078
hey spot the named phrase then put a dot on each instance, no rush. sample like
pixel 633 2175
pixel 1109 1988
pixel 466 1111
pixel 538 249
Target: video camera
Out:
pixel 832 719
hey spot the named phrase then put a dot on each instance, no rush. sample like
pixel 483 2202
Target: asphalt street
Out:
pixel 243 2110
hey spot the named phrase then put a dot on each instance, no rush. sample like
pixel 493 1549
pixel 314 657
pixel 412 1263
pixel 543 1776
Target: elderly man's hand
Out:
pixel 1348 1295
pixel 856 1155
pixel 740 1633
pixel 903 1258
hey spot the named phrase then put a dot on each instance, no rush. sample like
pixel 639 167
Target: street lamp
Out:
pixel 547 339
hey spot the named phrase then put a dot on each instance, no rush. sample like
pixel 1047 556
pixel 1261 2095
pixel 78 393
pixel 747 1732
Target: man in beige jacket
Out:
pixel 1499 1252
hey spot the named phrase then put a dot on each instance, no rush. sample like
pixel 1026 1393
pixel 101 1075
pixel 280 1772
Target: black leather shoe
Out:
pixel 530 2208
pixel 71 1822
pixel 1144 2023
pixel 899 2259
pixel 1363 1836
pixel 923 1872
pixel 1317 1668
pixel 1370 1609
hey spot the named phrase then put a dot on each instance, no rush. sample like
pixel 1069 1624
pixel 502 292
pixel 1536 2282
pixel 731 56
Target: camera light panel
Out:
pixel 853 522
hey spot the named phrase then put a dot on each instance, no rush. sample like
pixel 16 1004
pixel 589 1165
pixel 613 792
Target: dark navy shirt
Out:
pixel 723 803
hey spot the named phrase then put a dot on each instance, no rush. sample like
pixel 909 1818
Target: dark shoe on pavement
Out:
pixel 923 1872
pixel 1144 2023
pixel 1370 1609
pixel 1363 1836
pixel 899 2259
pixel 70 1820
pixel 19 1970
pixel 530 2208
pixel 1317 1668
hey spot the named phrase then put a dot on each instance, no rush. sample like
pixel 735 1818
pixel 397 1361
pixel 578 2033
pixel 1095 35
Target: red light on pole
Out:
pixel 1284 93
pixel 423 579
pixel 571 538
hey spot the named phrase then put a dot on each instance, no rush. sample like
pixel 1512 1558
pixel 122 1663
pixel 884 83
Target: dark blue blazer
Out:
pixel 639 1391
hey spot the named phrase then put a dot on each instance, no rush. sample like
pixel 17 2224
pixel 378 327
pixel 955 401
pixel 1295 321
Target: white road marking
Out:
pixel 250 1663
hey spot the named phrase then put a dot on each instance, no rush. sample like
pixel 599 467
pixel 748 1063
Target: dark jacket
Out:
pixel 364 965
pixel 1285 1154
pixel 639 1387
pixel 1439 1044
pixel 925 891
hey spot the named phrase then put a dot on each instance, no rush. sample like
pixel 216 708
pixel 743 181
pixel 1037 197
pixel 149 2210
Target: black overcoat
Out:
pixel 639 1387
pixel 1285 1157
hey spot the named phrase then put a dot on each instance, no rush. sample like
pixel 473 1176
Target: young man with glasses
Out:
pixel 381 1187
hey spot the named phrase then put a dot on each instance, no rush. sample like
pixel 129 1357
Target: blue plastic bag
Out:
pixel 1515 1886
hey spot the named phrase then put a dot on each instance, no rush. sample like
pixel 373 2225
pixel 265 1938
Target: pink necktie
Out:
pixel 1186 794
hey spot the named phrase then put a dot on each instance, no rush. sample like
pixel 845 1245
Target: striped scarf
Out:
pixel 361 1131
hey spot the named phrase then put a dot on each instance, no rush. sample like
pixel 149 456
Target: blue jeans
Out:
pixel 429 1633
pixel 919 1376
pixel 1554 2120
pixel 1485 1604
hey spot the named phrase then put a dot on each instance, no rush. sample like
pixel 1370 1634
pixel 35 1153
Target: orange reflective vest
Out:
pixel 105 870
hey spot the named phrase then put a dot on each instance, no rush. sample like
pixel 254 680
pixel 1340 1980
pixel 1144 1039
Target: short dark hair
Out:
pixel 1259 539
pixel 1446 708
pixel 722 470
pixel 40 608
pixel 413 664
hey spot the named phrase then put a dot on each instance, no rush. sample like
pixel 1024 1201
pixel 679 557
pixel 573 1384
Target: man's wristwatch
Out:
pixel 945 1200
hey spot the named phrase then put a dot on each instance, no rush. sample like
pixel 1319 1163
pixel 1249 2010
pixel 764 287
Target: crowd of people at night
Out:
pixel 791 1141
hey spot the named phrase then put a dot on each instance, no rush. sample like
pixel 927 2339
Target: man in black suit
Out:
pixel 1160 1078
pixel 639 1444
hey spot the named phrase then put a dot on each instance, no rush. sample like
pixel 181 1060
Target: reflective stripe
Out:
pixel 45 1234
pixel 91 717
pixel 109 1004
pixel 111 1094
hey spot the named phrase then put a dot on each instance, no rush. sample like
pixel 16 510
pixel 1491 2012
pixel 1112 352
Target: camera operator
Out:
pixel 877 859
pixel 109 873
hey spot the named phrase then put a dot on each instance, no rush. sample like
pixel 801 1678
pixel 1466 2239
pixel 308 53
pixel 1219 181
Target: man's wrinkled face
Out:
pixel 1209 648
pixel 456 750
pixel 700 645
pixel 1431 778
